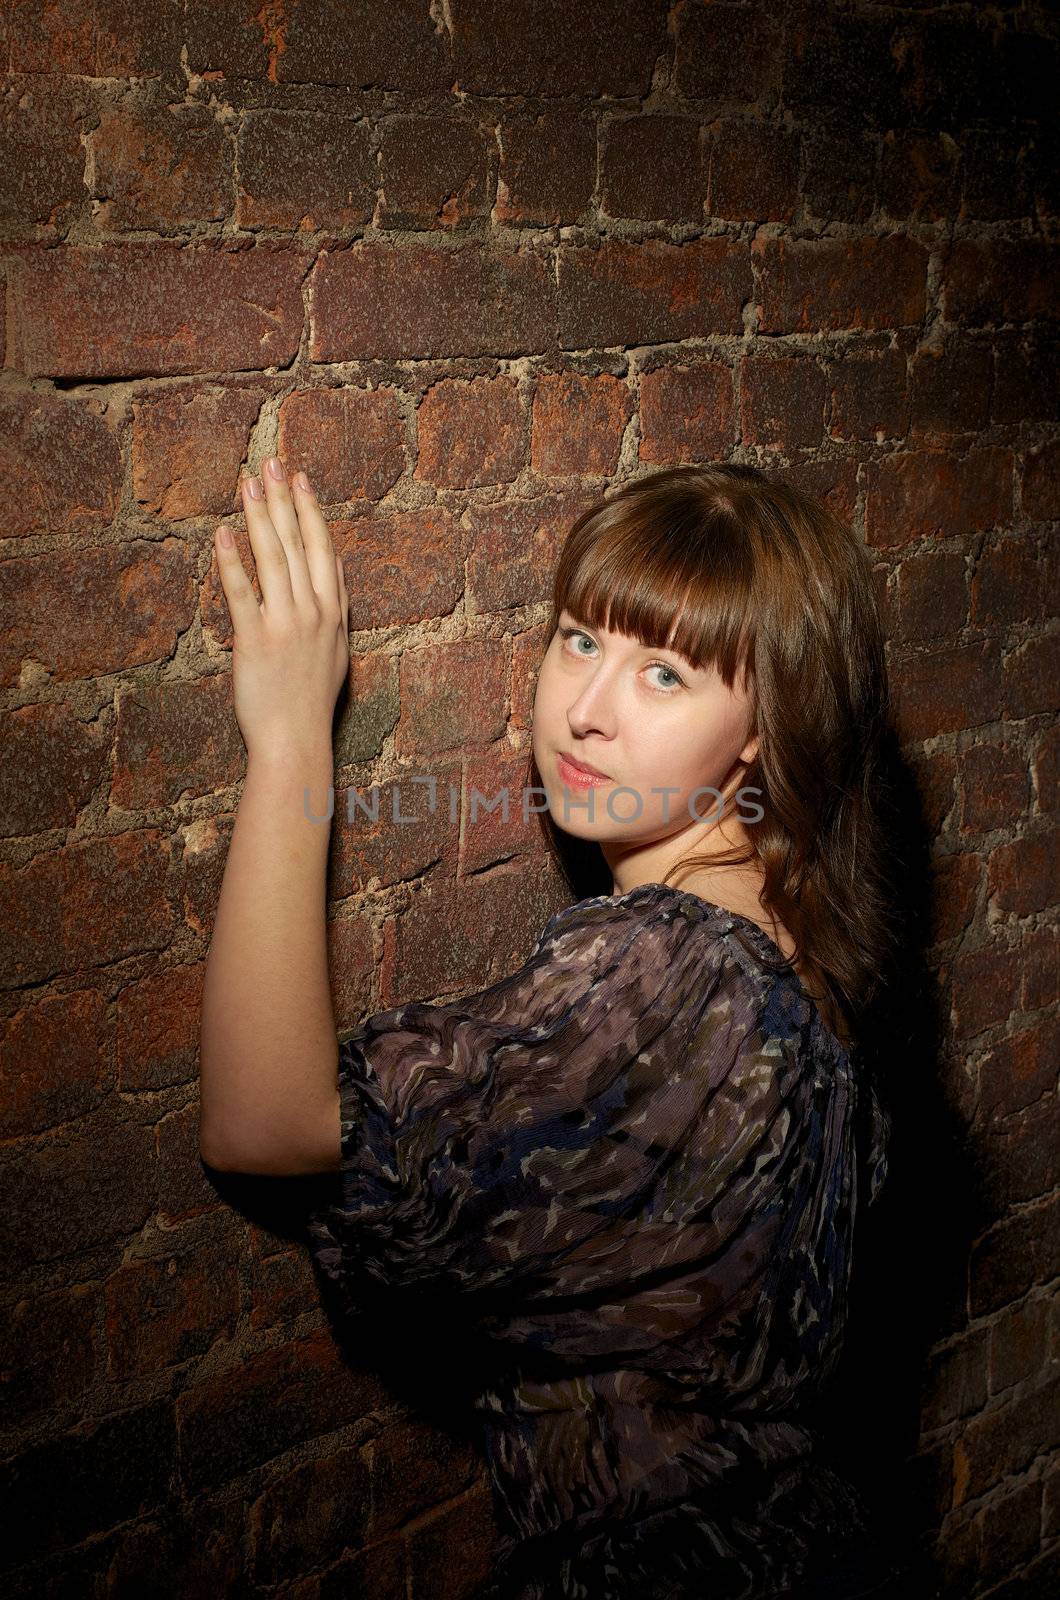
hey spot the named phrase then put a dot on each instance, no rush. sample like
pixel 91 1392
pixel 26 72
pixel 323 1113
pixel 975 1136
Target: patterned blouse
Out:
pixel 632 1166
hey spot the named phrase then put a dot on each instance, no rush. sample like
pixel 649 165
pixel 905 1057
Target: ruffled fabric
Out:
pixel 632 1165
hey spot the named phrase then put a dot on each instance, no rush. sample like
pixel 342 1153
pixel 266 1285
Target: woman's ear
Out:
pixel 750 749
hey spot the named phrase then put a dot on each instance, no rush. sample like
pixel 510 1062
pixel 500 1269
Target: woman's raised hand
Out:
pixel 291 653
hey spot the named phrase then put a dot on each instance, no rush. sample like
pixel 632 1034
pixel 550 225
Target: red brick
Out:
pixel 651 168
pixel 869 398
pixel 53 766
pixel 931 491
pixel 350 442
pixel 65 1198
pixel 1014 1160
pixel 831 479
pixel 1006 1439
pixel 995 786
pixel 932 596
pixel 943 691
pixel 1045 763
pixel 934 775
pixel 514 547
pixel 56 1062
pixel 401 568
pixel 98 609
pixel 204 847
pixel 393 47
pixel 1018 1344
pixel 261 1405
pixel 950 387
pixel 493 781
pixel 1011 1536
pixel 434 172
pixel 813 285
pixel 144 309
pixel 459 1541
pixel 1020 1251
pixel 452 694
pixel 998 170
pixel 1018 1070
pixel 1026 375
pixel 175 740
pixel 169 1309
pixel 687 413
pixel 372 708
pixel 578 424
pixel 42 175
pixel 302 170
pixel 606 50
pixel 954 890
pixel 48 1352
pixel 528 651
pixel 999 280
pixel 408 1459
pixel 547 171
pixel 412 301
pixel 919 175
pixel 1041 969
pixel 471 433
pixel 1031 677
pixel 782 401
pixel 1041 483
pixel 1024 874
pixel 198 1550
pixel 185 1190
pixel 955 1381
pixel 188 445
pixel 310 1516
pixel 282 1289
pixel 985 988
pixel 157 165
pixel 60 465
pixel 725 52
pixel 116 39
pixel 839 161
pixel 351 949
pixel 622 293
pixel 1007 583
pixel 394 835
pixel 752 171
pixel 158 1029
pixel 844 62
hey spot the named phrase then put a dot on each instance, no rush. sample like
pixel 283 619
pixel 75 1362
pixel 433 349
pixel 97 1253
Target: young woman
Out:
pixel 634 1165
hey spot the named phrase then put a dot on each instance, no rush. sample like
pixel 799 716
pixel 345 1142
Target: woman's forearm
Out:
pixel 267 1042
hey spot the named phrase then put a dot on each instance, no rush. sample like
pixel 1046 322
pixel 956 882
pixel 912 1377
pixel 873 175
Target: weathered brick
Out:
pixel 187 1550
pixel 372 710
pixel 350 442
pixel 607 49
pixel 434 172
pixel 55 1061
pixel 1015 1158
pixel 494 783
pixel 515 545
pixel 395 834
pixel 1019 1343
pixel 83 906
pixel 158 1029
pixel 94 610
pixel 1023 875
pixel 65 1198
pixel 1018 1070
pixel 578 422
pixel 955 1382
pixel 621 293
pixel 943 691
pixel 994 786
pixel 415 301
pixel 528 651
pixel 400 568
pixel 1041 483
pixel 752 171
pixel 986 988
pixel 307 1517
pixel 949 387
pixel 157 165
pixel 471 433
pixel 54 763
pixel 460 1540
pixel 42 171
pixel 304 170
pixel 687 413
pixel 839 165
pixel 1000 280
pixel 1045 770
pixel 60 465
pixel 651 167
pixel 1006 1439
pixel 187 447
pixel 547 170
pixel 932 491
pixel 1007 583
pixel 175 740
pixel 843 62
pixel 115 39
pixel 48 1352
pixel 869 397
pixel 361 45
pixel 1031 677
pixel 919 175
pixel 814 285
pixel 451 695
pixel 144 309
pixel 406 1462
pixel 1026 375
pixel 726 52
pixel 954 891
pixel 1017 1253
pixel 184 1187
pixel 932 596
pixel 168 1309
pixel 1040 986
pixel 1011 1531
pixel 934 775
pixel 782 401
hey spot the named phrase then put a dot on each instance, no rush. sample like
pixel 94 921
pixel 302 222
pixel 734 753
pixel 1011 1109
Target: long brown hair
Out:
pixel 765 580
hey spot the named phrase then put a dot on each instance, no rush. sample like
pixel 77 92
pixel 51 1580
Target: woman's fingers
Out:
pixel 243 606
pixel 317 543
pixel 271 556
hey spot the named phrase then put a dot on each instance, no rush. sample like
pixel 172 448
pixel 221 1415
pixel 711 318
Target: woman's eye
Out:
pixel 675 682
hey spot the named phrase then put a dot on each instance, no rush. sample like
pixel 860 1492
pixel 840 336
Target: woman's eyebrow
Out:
pixel 668 648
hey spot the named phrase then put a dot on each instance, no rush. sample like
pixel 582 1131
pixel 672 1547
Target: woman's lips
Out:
pixel 578 777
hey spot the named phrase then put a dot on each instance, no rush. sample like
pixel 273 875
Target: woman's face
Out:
pixel 651 722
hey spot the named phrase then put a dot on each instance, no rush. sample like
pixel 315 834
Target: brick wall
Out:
pixel 467 264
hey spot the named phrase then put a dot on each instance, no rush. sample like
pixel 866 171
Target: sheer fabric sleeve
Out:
pixel 557 1133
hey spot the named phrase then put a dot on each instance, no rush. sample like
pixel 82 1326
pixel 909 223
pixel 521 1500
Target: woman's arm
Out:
pixel 267 1041
pixel 268 1050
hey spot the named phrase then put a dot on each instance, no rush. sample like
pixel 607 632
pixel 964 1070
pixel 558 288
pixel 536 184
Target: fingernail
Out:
pixel 275 466
pixel 300 480
pixel 254 488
